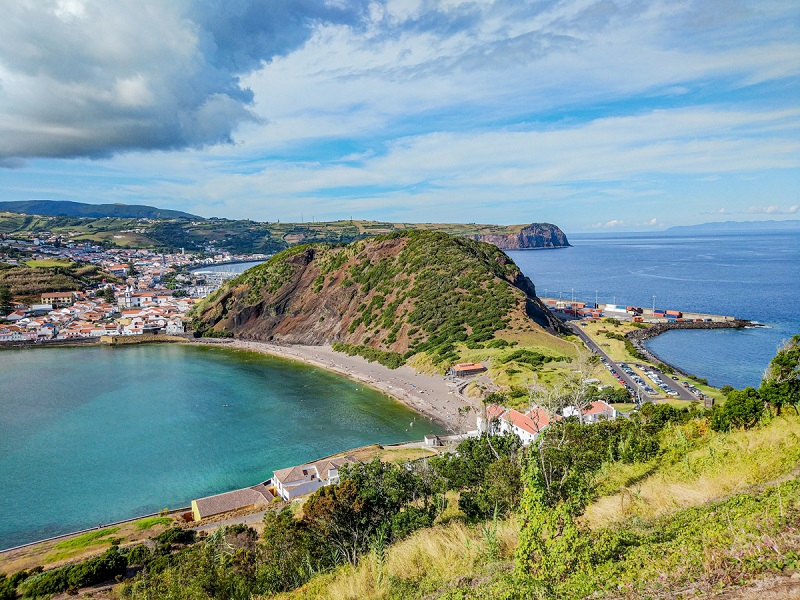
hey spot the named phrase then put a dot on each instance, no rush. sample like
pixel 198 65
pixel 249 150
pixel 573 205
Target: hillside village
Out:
pixel 154 294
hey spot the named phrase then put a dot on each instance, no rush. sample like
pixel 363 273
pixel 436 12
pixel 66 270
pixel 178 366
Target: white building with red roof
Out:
pixel 597 411
pixel 526 427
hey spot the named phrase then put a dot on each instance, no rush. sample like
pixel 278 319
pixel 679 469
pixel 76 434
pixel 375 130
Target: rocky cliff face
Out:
pixel 535 235
pixel 406 292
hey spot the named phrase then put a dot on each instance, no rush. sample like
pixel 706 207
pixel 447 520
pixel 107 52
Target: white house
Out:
pixel 174 326
pixel 597 411
pixel 526 426
pixel 306 479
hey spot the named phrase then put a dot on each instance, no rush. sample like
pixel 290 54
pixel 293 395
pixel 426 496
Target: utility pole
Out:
pixel 654 303
pixel 573 295
pixel 595 299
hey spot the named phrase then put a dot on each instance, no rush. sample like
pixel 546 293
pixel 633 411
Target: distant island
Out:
pixel 134 226
pixel 790 225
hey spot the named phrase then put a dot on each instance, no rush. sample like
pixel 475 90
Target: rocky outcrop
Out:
pixel 535 235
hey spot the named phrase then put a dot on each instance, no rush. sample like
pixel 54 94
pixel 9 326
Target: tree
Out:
pixel 108 295
pixel 781 383
pixel 341 519
pixel 290 556
pixel 742 409
pixel 6 299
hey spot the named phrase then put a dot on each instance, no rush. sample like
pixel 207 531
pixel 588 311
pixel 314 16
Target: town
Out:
pixel 151 292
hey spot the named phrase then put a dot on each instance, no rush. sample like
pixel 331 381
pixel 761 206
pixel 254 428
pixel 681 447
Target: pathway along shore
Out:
pixel 429 395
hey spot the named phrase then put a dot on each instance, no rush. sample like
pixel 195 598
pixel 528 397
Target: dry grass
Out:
pixel 701 466
pixel 430 560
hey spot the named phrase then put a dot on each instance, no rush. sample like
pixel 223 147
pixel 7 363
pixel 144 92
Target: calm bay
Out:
pixel 95 435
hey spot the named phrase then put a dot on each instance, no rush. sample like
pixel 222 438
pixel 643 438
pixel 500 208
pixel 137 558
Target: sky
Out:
pixel 607 115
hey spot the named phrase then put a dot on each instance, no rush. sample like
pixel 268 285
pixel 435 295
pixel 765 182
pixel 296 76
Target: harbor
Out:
pixel 577 310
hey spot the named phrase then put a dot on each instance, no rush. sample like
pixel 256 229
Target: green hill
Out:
pixel 121 225
pixel 388 297
pixel 30 282
pixel 66 208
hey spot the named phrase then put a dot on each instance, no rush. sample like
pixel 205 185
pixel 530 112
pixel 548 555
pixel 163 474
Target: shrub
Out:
pixel 176 535
pixel 742 409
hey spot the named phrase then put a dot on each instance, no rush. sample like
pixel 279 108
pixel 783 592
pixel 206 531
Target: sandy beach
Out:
pixel 430 395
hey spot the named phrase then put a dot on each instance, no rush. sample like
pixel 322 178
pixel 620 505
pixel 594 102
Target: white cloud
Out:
pixel 93 78
pixel 774 209
pixel 651 223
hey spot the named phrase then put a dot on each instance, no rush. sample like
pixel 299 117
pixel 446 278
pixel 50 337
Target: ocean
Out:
pixel 753 276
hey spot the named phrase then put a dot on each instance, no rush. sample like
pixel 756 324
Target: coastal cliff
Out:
pixel 403 293
pixel 535 235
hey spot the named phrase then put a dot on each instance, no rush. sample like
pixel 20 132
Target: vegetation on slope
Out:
pixel 28 281
pixel 386 298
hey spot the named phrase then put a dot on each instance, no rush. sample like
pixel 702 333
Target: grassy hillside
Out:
pixel 64 208
pixel 388 298
pixel 734 520
pixel 30 281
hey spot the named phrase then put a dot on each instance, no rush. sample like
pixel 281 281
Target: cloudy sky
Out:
pixel 594 115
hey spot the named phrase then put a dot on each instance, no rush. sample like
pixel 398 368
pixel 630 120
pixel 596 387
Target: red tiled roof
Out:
pixel 597 407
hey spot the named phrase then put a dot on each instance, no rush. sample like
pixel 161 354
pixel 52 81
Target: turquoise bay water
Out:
pixel 95 435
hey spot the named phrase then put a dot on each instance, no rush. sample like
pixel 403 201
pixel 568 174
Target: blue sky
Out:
pixel 594 115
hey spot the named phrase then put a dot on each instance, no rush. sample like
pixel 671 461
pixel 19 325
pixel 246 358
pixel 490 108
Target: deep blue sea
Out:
pixel 96 435
pixel 754 276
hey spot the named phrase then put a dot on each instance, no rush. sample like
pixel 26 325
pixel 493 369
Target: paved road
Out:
pixel 590 343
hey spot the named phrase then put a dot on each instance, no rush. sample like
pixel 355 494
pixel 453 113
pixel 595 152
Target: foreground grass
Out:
pixel 428 562
pixel 714 511
pixel 150 522
pixel 699 465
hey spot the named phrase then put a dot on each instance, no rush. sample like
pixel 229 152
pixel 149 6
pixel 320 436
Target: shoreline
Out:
pixel 427 395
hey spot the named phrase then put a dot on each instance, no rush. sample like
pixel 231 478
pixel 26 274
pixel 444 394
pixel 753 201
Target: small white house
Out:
pixel 293 482
pixel 598 411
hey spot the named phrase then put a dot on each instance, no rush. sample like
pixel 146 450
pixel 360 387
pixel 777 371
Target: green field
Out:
pixel 54 262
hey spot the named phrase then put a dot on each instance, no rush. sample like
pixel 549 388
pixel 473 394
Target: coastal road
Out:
pixel 592 345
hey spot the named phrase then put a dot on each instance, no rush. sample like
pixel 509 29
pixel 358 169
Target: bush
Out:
pixel 139 555
pixel 742 409
pixel 95 570
pixel 393 360
pixel 176 535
